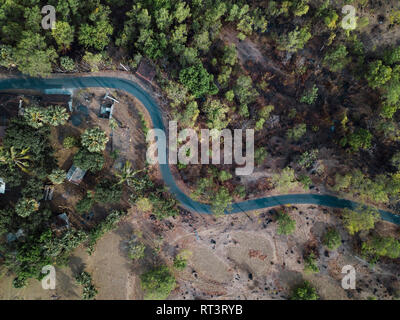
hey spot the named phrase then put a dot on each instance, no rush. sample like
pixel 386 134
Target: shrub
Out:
pixel 67 64
pixel 157 283
pixel 91 161
pixel 310 264
pixel 332 239
pixel 89 290
pixel 180 263
pixel 136 250
pixel 286 225
pixel 94 139
pixel 107 191
pixel 70 142
pixel 359 219
pixel 57 176
pixel 85 204
pixel 310 96
pixel 305 292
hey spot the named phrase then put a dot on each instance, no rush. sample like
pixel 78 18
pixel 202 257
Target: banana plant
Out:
pixel 126 173
pixel 15 158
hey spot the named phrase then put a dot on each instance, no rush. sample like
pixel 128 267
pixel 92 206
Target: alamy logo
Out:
pixel 188 152
pixel 349 21
pixel 49 280
pixel 349 280
pixel 49 20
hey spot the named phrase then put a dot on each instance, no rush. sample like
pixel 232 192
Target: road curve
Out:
pixel 155 114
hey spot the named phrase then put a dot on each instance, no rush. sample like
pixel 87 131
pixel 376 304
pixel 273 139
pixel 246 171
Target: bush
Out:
pixel 94 139
pixel 157 283
pixel 89 161
pixel 67 64
pixel 378 74
pixel 70 142
pixel 360 219
pixel 310 264
pixel 57 176
pixel 332 239
pixel 180 263
pixel 336 59
pixel 84 205
pixel 198 80
pixel 297 132
pixel 310 96
pixel 25 207
pixel 305 292
pixel 379 246
pixel 107 191
pixel 286 225
pixel 89 290
pixel 136 250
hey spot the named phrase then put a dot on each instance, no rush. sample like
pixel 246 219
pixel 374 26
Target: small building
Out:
pixel 2 186
pixel 107 106
pixel 75 175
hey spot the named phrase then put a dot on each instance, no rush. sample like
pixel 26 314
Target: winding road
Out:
pixel 55 84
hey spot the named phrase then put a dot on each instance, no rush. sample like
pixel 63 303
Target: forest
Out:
pixel 343 96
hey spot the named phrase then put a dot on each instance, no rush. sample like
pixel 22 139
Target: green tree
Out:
pixel 94 139
pixel 310 95
pixel 221 201
pixel 157 283
pixel 360 138
pixel 70 142
pixel 91 161
pixel 378 246
pixel 224 176
pixel 244 90
pixel 392 56
pixel 198 80
pixel 294 40
pixel 126 174
pixel 216 113
pixel 286 225
pixel 34 116
pixel 297 132
pixel 260 154
pixel 285 180
pixel 332 239
pixel 85 204
pixel 360 219
pixel 336 59
pixel 180 263
pixel 57 176
pixel 310 263
pixel 96 35
pixel 305 292
pixel 13 157
pixel 63 34
pixel 26 207
pixel 33 56
pixel 107 191
pixel 89 290
pixel 67 64
pixel 136 250
pixel 378 74
pixel 56 115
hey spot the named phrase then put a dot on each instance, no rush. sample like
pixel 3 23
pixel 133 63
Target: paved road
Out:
pixel 56 84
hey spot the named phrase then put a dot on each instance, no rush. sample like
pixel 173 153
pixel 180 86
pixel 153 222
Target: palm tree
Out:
pixel 126 173
pixel 15 158
pixel 94 139
pixel 56 115
pixel 34 116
